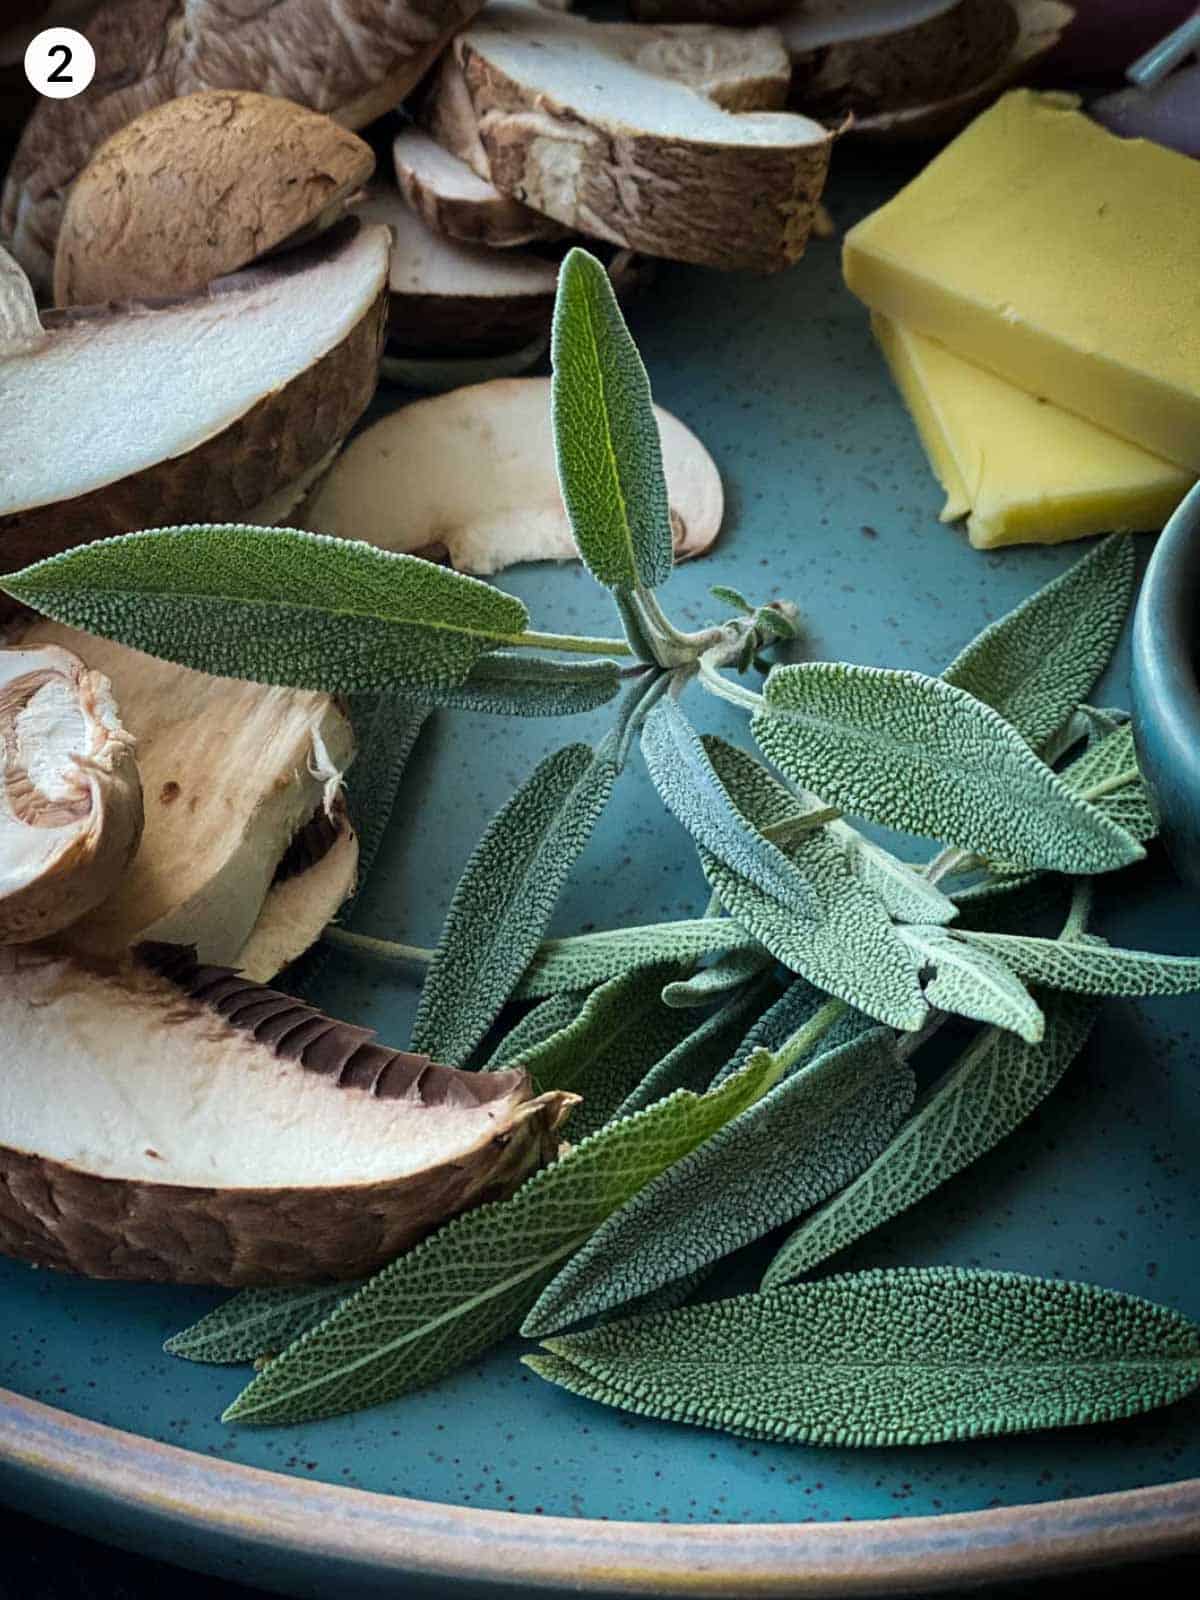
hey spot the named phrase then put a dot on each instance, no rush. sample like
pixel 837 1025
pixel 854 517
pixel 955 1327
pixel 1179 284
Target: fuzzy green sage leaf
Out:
pixel 507 683
pixel 719 979
pixel 972 983
pixel 472 1283
pixel 506 897
pixel 581 960
pixel 277 606
pixel 1037 663
pixel 1088 966
pixel 691 789
pixel 903 1357
pixel 810 1136
pixel 992 1087
pixel 605 434
pixel 917 754
pixel 257 1323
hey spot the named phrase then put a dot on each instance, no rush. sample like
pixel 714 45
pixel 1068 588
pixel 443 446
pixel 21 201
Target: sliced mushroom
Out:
pixel 622 132
pixel 168 1121
pixel 1040 26
pixel 864 56
pixel 472 474
pixel 436 374
pixel 458 204
pixel 70 797
pixel 353 66
pixel 194 410
pixel 232 771
pixel 199 187
pixel 463 299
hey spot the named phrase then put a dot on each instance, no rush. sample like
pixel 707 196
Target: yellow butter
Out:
pixel 1058 256
pixel 1026 471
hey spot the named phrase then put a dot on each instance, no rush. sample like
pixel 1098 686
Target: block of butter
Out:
pixel 1060 257
pixel 1020 469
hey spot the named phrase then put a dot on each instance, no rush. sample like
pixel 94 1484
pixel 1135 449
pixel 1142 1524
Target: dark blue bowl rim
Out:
pixel 1166 644
pixel 213 1514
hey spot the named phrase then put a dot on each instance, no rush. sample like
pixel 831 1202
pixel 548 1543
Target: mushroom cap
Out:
pixel 70 795
pixel 197 188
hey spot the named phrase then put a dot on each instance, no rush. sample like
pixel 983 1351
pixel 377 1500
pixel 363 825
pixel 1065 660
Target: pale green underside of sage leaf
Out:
pixel 719 978
pixel 584 959
pixel 971 983
pixel 277 606
pixel 471 1283
pixel 992 1087
pixel 256 1323
pixel 903 1357
pixel 691 789
pixel 1089 967
pixel 810 1136
pixel 1037 663
pixel 850 948
pixel 506 683
pixel 506 897
pixel 917 754
pixel 605 434
pixel 902 891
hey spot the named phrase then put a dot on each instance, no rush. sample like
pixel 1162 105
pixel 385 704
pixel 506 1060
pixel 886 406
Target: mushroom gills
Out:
pixel 70 794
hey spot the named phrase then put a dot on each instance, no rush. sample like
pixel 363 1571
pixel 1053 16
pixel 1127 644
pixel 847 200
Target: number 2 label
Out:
pixel 59 63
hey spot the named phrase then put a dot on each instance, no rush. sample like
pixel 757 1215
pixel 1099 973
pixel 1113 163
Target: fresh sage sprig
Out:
pixel 749 1062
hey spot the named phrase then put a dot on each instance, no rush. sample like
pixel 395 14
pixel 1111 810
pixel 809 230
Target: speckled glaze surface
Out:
pixel 1166 683
pixel 832 504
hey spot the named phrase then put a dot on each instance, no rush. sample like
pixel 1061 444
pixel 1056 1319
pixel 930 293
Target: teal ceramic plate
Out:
pixel 831 503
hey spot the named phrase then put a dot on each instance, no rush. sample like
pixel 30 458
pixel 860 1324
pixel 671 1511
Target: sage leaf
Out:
pixel 1037 663
pixel 900 889
pixel 582 960
pixel 538 1024
pixel 716 1048
pixel 902 1357
pixel 507 895
pixel 972 983
pixel 277 606
pixel 993 1086
pixel 1088 966
pixel 1107 776
pixel 719 979
pixel 470 1284
pixel 507 683
pixel 918 754
pixel 691 789
pixel 386 731
pixel 800 1006
pixel 805 1139
pixel 731 597
pixel 605 434
pixel 851 948
pixel 256 1323
pixel 622 1029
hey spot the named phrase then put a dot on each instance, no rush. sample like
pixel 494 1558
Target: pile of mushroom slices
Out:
pixel 162 1115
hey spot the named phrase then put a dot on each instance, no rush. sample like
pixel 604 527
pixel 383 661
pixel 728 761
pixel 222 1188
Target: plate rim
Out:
pixel 277 1515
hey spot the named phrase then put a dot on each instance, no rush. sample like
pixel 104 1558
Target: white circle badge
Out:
pixel 60 63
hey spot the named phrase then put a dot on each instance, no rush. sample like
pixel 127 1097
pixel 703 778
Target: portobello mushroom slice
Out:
pixel 70 796
pixel 193 410
pixel 232 773
pixel 463 299
pixel 648 137
pixel 166 1120
pixel 472 474
pixel 1040 26
pixel 458 204
pixel 199 187
pixel 864 56
pixel 353 64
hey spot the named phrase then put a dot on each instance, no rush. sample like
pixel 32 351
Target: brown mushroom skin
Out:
pixel 351 59
pixel 55 1214
pixel 197 188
